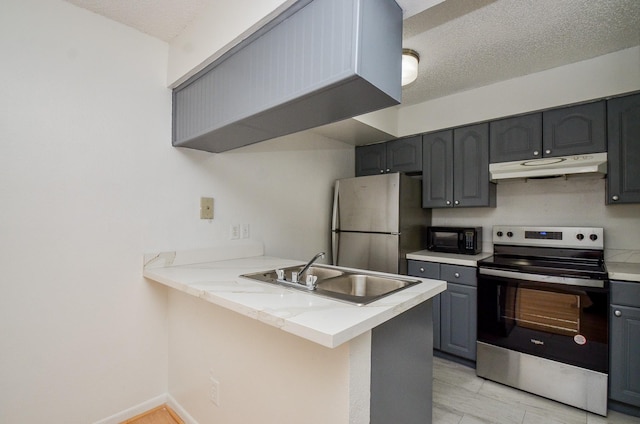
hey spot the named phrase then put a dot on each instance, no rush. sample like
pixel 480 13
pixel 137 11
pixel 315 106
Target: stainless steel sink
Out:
pixel 359 288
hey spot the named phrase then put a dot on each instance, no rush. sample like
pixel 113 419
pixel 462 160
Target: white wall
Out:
pixel 89 182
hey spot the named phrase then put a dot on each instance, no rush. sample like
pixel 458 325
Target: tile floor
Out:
pixel 460 397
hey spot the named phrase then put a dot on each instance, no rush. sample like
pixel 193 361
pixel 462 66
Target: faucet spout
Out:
pixel 306 267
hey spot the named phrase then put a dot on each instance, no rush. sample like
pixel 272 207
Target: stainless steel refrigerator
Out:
pixel 376 221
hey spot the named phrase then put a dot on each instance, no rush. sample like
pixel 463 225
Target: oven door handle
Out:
pixel 552 279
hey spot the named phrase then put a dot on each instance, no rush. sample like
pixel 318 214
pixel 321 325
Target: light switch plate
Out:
pixel 206 208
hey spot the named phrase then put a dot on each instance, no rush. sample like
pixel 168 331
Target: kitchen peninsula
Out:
pixel 245 351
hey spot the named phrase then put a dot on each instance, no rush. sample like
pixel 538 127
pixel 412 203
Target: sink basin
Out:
pixel 359 288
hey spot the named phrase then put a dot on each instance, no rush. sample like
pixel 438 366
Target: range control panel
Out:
pixel 571 237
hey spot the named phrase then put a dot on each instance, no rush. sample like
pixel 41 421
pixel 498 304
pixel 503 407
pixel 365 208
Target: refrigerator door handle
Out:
pixel 334 247
pixel 334 216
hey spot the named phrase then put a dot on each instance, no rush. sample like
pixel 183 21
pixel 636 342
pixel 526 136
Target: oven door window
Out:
pixel 563 323
pixel 550 312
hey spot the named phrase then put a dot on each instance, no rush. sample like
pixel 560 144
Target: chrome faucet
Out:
pixel 296 277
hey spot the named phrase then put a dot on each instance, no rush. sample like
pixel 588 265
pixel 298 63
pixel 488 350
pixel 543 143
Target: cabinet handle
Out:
pixel 382 171
pixel 456 274
pixel 615 197
pixel 388 169
pixel 617 313
pixel 421 269
pixel 456 202
pixel 448 202
pixel 536 153
pixel 548 152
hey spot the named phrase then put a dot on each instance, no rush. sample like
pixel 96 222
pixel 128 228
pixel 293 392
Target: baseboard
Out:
pixel 147 405
pixel 178 409
pixel 134 410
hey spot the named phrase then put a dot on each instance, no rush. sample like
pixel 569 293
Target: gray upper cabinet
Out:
pixel 405 155
pixel 371 159
pixel 401 155
pixel 574 130
pixel 624 372
pixel 319 62
pixel 623 181
pixel 456 168
pixel 437 170
pixel 566 131
pixel 516 138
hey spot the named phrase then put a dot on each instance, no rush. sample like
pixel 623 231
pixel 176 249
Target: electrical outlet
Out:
pixel 234 232
pixel 206 208
pixel 244 231
pixel 214 391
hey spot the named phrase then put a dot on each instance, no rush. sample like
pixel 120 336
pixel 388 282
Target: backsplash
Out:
pixel 576 201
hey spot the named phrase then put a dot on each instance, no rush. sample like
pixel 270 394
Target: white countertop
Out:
pixel 625 271
pixel 448 258
pixel 324 321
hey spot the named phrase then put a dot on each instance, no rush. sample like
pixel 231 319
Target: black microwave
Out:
pixel 464 240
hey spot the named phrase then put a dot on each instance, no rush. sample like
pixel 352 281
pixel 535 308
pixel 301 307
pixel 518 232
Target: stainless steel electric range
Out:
pixel 543 314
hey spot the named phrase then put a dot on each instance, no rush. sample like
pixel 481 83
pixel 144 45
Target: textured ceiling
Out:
pixel 463 44
pixel 468 44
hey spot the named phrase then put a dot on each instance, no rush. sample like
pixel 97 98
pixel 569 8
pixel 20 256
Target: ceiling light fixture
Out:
pixel 410 59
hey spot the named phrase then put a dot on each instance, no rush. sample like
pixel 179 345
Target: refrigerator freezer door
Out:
pixel 368 204
pixel 371 251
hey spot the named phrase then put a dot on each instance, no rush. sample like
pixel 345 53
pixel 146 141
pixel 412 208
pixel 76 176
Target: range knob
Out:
pixel 580 236
pixel 499 233
pixel 509 234
pixel 593 237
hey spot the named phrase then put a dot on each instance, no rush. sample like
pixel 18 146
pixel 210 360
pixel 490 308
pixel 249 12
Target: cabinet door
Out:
pixel 624 370
pixel 471 167
pixel 517 138
pixel 574 130
pixel 405 155
pixel 371 159
pixel 458 320
pixel 623 181
pixel 437 170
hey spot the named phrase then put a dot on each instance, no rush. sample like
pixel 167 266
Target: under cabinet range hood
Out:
pixel 319 62
pixel 586 164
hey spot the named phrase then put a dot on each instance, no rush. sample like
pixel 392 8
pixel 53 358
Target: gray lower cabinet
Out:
pixel 455 168
pixel 454 310
pixel 401 155
pixel 624 370
pixel 623 181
